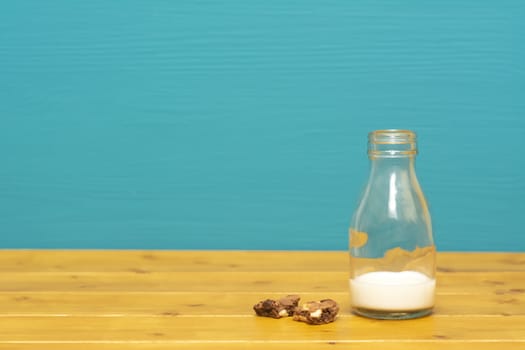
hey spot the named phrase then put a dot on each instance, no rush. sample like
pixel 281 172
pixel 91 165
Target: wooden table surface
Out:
pixel 203 300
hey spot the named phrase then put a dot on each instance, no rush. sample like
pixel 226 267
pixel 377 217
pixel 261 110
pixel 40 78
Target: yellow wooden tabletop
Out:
pixel 203 300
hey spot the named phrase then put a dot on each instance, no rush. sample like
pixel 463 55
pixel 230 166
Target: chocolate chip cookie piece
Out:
pixel 276 309
pixel 317 312
pixel 289 303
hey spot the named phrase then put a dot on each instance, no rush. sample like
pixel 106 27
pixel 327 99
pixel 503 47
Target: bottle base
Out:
pixel 391 315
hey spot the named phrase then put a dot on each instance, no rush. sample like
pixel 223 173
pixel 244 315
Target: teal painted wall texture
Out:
pixel 242 124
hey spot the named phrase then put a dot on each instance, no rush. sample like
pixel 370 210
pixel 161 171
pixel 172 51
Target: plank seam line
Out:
pixel 259 341
pixel 115 291
pixel 116 315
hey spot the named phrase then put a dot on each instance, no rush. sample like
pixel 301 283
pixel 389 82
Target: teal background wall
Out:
pixel 242 124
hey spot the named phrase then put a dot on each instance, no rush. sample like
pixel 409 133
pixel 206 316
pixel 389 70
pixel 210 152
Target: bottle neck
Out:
pixel 386 166
pixel 392 155
pixel 393 187
pixel 399 162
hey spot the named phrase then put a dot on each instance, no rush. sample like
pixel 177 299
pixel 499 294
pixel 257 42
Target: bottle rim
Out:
pixel 392 143
pixel 392 136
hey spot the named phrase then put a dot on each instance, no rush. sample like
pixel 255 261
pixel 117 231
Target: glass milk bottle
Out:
pixel 392 252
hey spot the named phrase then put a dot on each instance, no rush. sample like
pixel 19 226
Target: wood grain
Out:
pixel 186 261
pixel 221 304
pixel 253 329
pixel 65 299
pixel 229 281
pixel 308 345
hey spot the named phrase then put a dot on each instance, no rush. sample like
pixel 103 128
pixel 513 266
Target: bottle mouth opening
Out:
pixel 392 143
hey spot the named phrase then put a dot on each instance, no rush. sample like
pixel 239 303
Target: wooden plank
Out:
pixel 257 329
pixel 121 304
pixel 281 282
pixel 169 261
pixel 480 262
pixel 307 345
pixel 153 261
